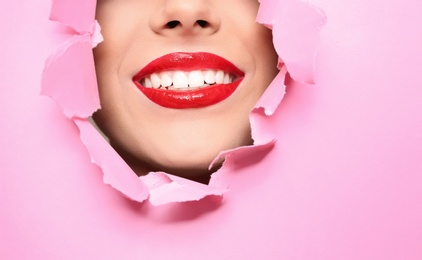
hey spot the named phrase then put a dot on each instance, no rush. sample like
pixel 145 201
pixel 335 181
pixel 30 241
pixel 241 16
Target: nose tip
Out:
pixel 184 17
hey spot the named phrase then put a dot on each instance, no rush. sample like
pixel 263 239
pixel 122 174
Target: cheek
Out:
pixel 263 44
pixel 120 24
pixel 264 54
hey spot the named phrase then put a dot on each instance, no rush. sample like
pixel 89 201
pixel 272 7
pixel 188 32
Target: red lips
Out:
pixel 197 97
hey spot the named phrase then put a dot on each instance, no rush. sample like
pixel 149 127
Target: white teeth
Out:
pixel 209 77
pixel 156 81
pixel 219 77
pixel 166 80
pixel 182 80
pixel 226 79
pixel 148 83
pixel 196 79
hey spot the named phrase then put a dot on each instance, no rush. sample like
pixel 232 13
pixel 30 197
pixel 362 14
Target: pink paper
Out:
pixel 69 79
pixel 69 76
pixel 335 172
pixel 295 26
pixel 77 14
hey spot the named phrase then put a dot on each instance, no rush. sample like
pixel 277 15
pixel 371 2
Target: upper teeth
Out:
pixel 181 79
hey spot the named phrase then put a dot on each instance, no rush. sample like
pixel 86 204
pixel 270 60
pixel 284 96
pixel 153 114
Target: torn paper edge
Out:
pixel 55 92
pixel 296 29
pixel 63 11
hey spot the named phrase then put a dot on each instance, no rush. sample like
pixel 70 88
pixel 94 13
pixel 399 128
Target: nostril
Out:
pixel 173 24
pixel 202 23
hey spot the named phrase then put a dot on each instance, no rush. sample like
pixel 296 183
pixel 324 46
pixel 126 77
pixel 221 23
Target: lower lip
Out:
pixel 197 98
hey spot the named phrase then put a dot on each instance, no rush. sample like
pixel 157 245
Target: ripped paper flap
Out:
pixel 166 188
pixel 116 172
pixel 69 78
pixel 77 14
pixel 296 27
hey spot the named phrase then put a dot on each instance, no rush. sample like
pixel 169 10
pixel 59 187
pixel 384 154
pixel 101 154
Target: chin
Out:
pixel 188 161
pixel 183 165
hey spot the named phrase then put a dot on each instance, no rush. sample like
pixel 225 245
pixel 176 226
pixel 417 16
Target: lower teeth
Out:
pixel 187 88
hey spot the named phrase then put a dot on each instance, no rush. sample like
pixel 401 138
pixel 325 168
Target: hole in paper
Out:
pixel 173 102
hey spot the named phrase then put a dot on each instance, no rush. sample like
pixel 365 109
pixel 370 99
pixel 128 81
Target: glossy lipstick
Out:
pixel 196 97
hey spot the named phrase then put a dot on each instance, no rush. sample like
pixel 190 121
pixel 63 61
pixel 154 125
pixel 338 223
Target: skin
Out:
pixel 178 141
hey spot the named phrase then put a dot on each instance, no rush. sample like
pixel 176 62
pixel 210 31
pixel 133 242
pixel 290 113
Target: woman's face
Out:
pixel 212 62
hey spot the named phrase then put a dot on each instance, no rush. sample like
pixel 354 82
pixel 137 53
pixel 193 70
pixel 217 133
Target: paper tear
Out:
pixel 233 159
pixel 69 78
pixel 275 92
pixel 296 27
pixel 69 74
pixel 77 14
pixel 265 107
pixel 266 12
pixel 96 36
pixel 116 172
pixel 166 188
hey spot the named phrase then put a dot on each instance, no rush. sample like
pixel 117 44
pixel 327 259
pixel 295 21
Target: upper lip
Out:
pixel 188 61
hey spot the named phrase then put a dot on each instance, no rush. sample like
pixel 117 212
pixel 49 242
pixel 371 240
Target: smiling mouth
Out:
pixel 188 80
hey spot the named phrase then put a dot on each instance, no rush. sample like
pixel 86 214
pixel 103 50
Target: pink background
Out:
pixel 344 180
